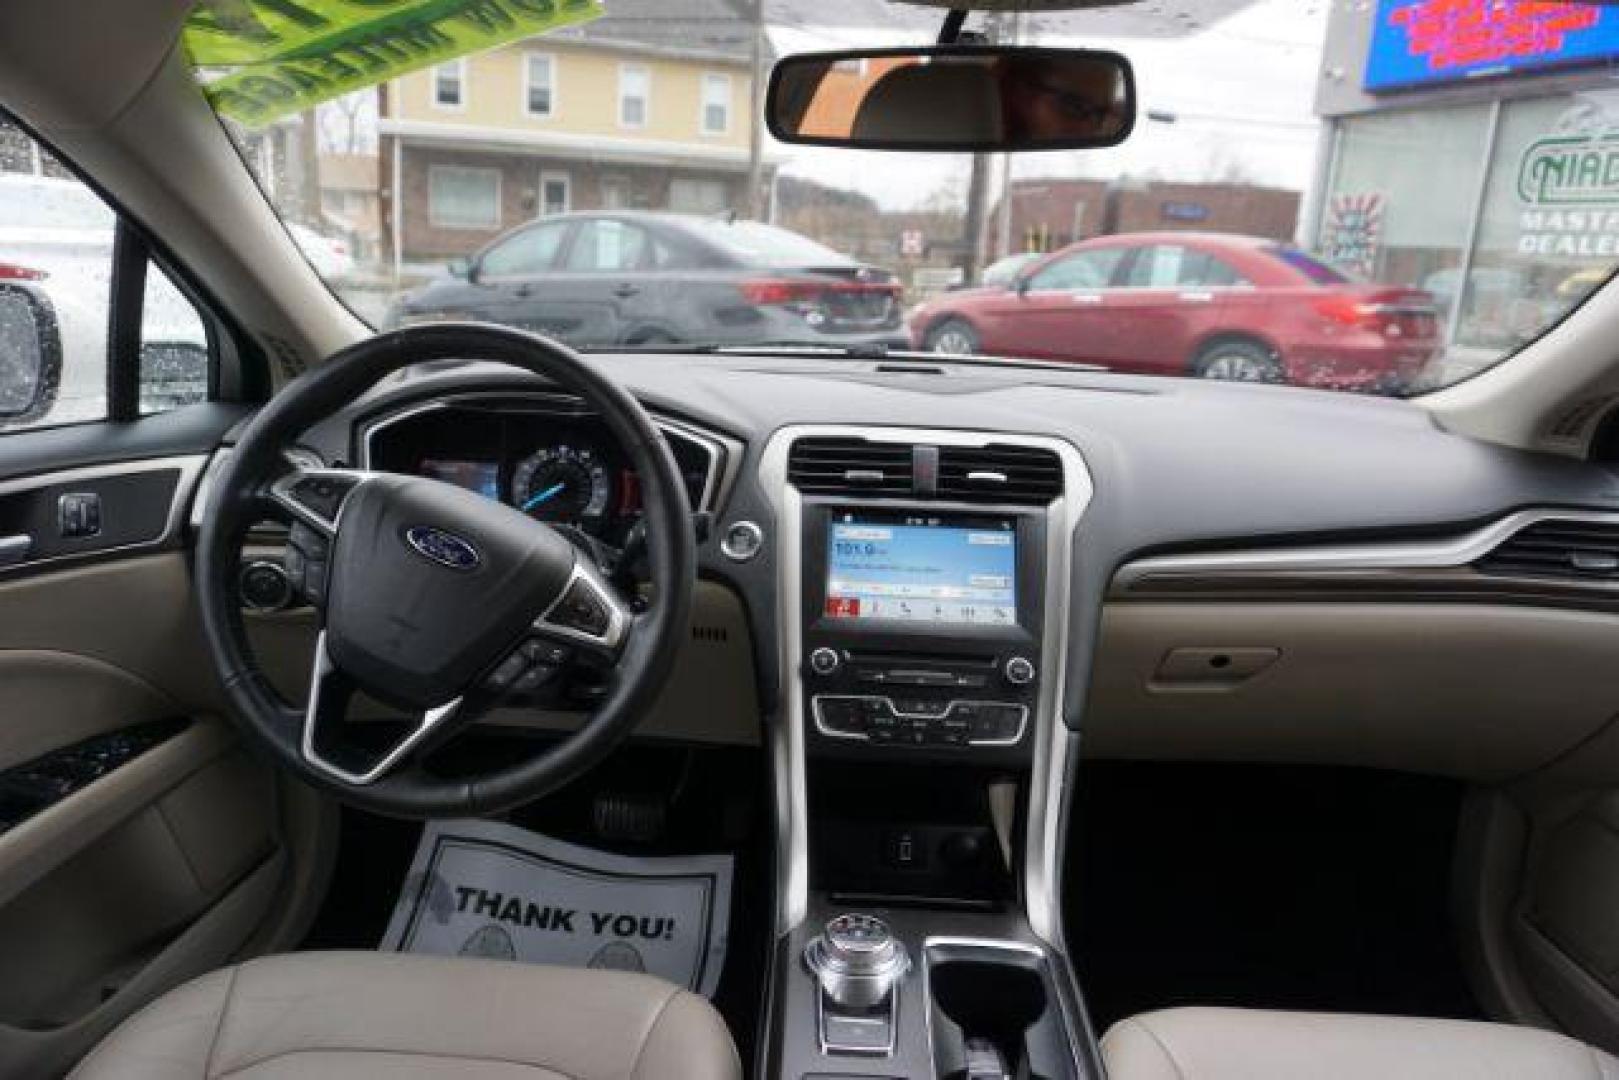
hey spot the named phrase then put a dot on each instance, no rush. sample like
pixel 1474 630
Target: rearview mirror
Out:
pixel 30 353
pixel 975 98
pixel 461 268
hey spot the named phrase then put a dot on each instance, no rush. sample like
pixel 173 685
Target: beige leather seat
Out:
pixel 347 1015
pixel 1217 1044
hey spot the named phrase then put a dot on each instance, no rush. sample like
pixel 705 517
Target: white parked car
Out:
pixel 57 234
pixel 328 255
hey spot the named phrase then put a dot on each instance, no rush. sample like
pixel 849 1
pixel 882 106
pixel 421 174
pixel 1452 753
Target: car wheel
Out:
pixel 953 338
pixel 1239 361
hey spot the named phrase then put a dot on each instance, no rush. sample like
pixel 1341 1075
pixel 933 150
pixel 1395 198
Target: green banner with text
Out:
pixel 276 57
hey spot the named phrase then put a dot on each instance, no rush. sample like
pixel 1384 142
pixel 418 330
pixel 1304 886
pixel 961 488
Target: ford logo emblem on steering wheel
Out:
pixel 444 548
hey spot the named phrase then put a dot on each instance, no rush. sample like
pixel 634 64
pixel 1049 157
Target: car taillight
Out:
pixel 12 272
pixel 1389 319
pixel 786 292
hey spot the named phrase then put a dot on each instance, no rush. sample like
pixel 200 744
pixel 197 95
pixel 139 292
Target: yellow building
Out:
pixel 625 112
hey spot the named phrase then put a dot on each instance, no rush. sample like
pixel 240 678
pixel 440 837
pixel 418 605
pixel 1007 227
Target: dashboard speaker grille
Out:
pixel 1584 550
pixel 999 473
pixel 851 466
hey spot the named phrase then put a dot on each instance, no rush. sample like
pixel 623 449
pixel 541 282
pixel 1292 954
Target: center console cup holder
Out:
pixel 994 1014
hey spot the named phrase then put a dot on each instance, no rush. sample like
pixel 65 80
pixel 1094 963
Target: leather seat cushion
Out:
pixel 346 1015
pixel 1214 1044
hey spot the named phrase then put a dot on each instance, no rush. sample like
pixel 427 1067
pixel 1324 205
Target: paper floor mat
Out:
pixel 480 888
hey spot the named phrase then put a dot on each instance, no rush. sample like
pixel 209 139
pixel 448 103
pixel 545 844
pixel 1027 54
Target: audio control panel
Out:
pixel 921 631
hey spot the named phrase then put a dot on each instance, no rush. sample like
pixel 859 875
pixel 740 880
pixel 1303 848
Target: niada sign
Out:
pixel 1570 170
pixel 1568 188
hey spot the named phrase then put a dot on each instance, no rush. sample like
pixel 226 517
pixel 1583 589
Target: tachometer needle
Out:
pixel 550 492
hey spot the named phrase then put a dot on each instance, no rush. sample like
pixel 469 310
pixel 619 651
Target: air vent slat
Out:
pixel 834 466
pixel 1573 550
pixel 999 473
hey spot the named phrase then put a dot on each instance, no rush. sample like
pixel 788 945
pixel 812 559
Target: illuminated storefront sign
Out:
pixel 1421 42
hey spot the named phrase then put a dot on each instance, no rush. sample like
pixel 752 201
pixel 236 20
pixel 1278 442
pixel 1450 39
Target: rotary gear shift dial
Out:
pixel 857 960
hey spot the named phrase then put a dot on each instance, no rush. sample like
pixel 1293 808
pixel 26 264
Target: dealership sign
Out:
pixel 1568 188
pixel 1421 42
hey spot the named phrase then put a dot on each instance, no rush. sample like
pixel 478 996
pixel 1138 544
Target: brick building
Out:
pixel 1048 213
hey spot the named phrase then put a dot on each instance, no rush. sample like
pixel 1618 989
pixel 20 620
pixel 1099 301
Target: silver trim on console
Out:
pixel 1042 861
pixel 1443 553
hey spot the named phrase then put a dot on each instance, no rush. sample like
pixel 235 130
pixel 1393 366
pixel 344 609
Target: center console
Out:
pixel 921 629
pixel 920 756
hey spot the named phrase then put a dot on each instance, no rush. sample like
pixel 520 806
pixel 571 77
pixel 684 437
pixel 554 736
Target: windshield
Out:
pixel 1379 197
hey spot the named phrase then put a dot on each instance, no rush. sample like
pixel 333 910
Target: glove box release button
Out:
pixel 1212 668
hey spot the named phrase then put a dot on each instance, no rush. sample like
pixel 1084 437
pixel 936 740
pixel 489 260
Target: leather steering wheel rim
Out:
pixel 237 501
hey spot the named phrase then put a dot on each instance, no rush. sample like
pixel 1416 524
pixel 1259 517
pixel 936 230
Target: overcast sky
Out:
pixel 1240 86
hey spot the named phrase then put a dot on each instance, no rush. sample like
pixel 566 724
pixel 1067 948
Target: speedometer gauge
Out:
pixel 562 484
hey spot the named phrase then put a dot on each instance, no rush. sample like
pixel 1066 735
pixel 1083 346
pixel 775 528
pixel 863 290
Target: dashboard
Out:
pixel 1192 592
pixel 544 454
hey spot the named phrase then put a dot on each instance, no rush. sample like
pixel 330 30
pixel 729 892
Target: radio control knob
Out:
pixel 1019 671
pixel 824 661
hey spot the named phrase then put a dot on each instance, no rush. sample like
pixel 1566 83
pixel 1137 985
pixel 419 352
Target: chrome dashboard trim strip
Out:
pixel 189 466
pixel 1443 553
pixel 723 454
pixel 1042 863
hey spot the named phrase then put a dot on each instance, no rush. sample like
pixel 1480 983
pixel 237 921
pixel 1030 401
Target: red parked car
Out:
pixel 1219 306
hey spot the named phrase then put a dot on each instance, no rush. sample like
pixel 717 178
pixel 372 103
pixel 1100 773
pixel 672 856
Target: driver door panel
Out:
pixel 140 844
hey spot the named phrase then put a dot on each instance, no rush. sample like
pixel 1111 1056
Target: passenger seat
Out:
pixel 1250 1044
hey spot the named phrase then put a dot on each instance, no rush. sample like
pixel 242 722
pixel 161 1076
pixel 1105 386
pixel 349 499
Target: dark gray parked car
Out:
pixel 644 278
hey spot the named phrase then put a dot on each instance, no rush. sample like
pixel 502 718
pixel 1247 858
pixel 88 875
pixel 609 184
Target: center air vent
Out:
pixel 1585 550
pixel 999 473
pixel 838 466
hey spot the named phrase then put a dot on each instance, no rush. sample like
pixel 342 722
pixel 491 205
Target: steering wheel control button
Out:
pixel 507 672
pixel 825 661
pixel 583 610
pixel 546 653
pixel 265 586
pixel 742 540
pixel 1019 671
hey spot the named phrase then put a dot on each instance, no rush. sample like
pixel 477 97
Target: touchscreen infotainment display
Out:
pixel 920 569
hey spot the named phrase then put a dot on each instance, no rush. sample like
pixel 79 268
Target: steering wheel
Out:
pixel 434 600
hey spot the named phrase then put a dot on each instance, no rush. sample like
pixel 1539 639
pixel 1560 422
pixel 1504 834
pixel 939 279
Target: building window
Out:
pixel 463 198
pixel 634 95
pixel 539 85
pixel 615 193
pixel 716 104
pixel 693 196
pixel 450 84
pixel 556 193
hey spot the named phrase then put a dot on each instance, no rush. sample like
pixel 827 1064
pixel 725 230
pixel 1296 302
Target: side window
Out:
pixel 1156 267
pixel 1083 270
pixel 1170 266
pixel 56 272
pixel 174 347
pixel 1200 270
pixel 531 251
pixel 608 247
